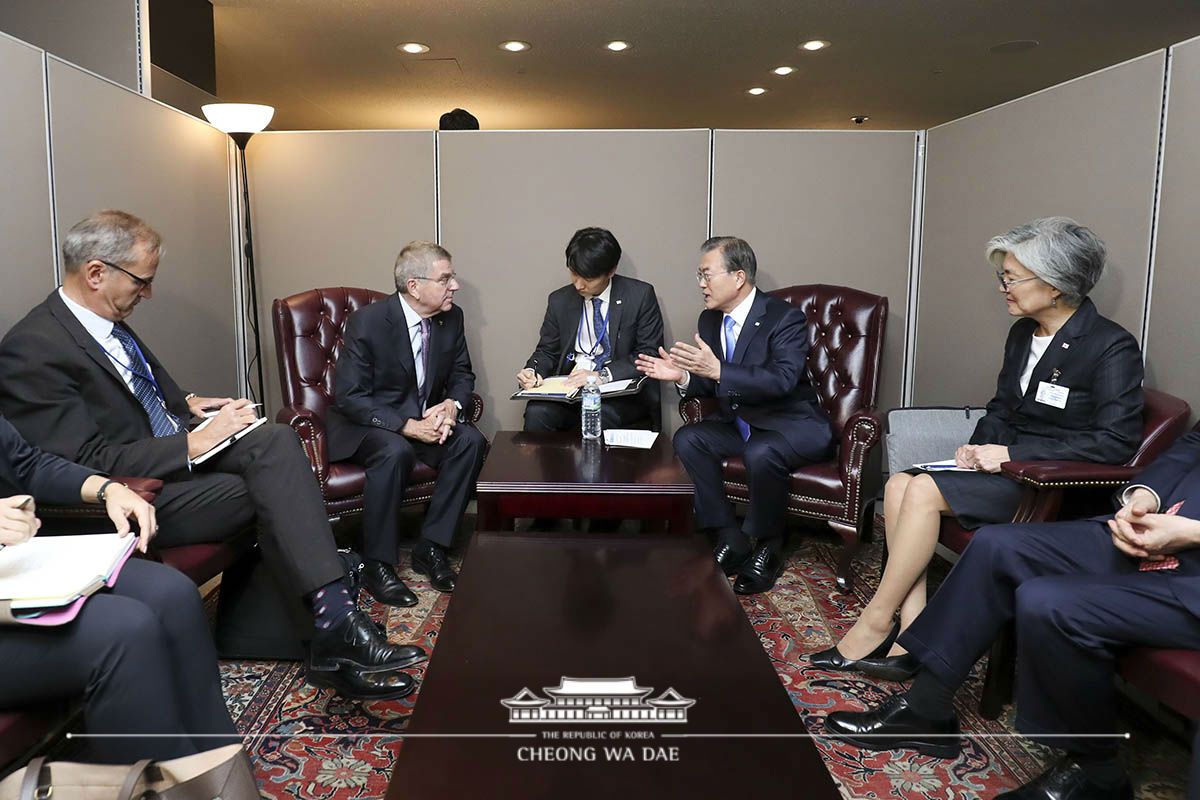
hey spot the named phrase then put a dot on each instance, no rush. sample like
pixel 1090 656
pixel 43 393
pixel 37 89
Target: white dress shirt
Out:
pixel 101 330
pixel 1037 348
pixel 413 320
pixel 585 337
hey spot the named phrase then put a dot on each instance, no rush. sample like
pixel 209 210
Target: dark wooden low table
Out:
pixel 558 475
pixel 531 612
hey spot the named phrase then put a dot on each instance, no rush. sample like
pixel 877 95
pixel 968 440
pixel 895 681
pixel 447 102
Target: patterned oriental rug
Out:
pixel 318 761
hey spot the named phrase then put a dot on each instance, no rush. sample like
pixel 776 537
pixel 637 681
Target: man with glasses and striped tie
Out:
pixel 750 354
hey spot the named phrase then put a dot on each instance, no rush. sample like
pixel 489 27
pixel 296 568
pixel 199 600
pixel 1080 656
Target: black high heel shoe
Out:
pixel 890 668
pixel 833 660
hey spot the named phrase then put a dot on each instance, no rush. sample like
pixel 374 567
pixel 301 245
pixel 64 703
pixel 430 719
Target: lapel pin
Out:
pixel 1066 346
pixel 618 302
pixel 441 322
pixel 757 324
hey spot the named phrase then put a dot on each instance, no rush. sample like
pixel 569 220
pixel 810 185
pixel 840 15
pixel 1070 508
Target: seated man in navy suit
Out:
pixel 402 380
pixel 750 354
pixel 1080 592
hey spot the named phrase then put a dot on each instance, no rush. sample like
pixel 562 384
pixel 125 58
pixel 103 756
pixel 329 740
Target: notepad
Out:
pixel 949 465
pixel 221 445
pixel 54 571
pixel 624 437
pixel 554 386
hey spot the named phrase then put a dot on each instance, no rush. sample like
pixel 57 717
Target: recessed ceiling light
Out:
pixel 1015 46
pixel 617 46
pixel 415 48
pixel 515 46
pixel 757 90
pixel 784 70
pixel 815 44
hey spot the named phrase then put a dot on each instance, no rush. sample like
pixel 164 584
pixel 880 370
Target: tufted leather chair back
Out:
pixel 845 346
pixel 308 339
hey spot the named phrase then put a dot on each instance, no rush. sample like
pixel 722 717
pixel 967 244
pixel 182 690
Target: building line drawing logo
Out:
pixel 583 700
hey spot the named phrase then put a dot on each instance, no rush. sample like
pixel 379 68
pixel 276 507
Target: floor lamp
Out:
pixel 241 121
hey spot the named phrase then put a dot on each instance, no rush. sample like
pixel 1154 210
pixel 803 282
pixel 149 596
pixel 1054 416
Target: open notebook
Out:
pixel 54 574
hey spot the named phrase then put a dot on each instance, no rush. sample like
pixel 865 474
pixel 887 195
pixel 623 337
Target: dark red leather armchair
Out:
pixel 308 337
pixel 845 348
pixel 1042 486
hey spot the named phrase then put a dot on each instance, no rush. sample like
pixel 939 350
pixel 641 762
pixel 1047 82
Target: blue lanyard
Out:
pixel 143 375
pixel 598 341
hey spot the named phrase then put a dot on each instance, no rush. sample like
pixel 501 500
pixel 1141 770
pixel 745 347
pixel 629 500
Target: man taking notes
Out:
pixel 79 383
pixel 402 381
pixel 617 319
pixel 750 354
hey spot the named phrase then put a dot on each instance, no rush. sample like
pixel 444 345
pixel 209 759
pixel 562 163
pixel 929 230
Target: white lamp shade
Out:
pixel 238 117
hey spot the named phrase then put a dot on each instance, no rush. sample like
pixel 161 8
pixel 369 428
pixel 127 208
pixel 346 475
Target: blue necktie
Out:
pixel 730 346
pixel 162 422
pixel 597 323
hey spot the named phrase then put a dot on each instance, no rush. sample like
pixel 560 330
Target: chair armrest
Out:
pixel 695 409
pixel 146 488
pixel 311 430
pixel 863 431
pixel 474 411
pixel 1067 474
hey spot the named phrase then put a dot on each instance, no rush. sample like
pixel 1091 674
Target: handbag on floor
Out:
pixel 220 773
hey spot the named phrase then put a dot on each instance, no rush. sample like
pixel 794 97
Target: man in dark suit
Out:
pixel 617 319
pixel 402 381
pixel 79 383
pixel 750 354
pixel 1080 592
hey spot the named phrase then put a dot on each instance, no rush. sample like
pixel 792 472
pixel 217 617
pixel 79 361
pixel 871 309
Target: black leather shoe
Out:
pixel 832 659
pixel 892 725
pixel 890 668
pixel 384 584
pixel 1066 780
pixel 759 572
pixel 430 559
pixel 356 642
pixel 728 559
pixel 361 685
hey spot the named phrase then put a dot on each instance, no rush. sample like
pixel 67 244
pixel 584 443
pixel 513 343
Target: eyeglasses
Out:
pixel 446 281
pixel 143 283
pixel 1005 284
pixel 705 277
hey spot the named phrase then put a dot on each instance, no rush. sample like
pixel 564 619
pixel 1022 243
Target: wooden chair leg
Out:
pixel 1000 677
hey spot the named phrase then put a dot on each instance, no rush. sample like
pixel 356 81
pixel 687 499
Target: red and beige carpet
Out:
pixel 311 744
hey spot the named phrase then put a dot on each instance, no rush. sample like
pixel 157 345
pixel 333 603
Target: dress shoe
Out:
pixel 1066 780
pixel 759 572
pixel 362 685
pixel 381 580
pixel 833 660
pixel 728 559
pixel 430 559
pixel 894 724
pixel 358 643
pixel 890 668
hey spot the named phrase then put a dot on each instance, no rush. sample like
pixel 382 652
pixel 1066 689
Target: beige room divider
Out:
pixel 25 220
pixel 824 207
pixel 1171 338
pixel 333 209
pixel 113 148
pixel 1086 149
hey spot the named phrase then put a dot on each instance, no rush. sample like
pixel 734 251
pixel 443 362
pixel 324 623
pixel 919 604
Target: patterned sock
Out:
pixel 930 698
pixel 331 603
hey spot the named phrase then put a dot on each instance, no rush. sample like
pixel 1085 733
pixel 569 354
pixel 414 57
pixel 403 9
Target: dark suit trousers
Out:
pixel 1078 602
pixel 389 459
pixel 616 412
pixel 769 459
pixel 265 477
pixel 142 658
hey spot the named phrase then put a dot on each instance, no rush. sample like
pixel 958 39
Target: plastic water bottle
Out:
pixel 591 409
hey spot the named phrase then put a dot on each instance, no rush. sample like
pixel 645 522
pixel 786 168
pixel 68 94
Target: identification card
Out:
pixel 1052 394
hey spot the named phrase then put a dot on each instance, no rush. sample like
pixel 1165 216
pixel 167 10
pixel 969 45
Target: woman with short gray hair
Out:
pixel 1070 388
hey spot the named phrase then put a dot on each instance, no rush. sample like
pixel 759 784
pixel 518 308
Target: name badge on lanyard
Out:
pixel 1051 394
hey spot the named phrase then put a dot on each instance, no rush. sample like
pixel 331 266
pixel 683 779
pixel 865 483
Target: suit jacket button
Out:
pixel 734 406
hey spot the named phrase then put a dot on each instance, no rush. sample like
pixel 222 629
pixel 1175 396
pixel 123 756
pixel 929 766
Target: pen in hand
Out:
pixel 24 506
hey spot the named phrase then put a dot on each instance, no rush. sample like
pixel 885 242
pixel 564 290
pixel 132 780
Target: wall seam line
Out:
pixel 1157 200
pixel 916 240
pixel 57 265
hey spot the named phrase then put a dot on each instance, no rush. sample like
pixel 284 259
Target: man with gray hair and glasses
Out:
pixel 403 378
pixel 79 383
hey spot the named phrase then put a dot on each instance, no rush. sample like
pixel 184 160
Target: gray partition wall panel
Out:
pixel 99 35
pixel 509 204
pixel 114 148
pixel 1171 336
pixel 1085 149
pixel 25 221
pixel 821 207
pixel 334 209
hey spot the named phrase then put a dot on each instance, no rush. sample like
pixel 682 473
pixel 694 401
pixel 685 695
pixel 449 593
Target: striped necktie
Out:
pixel 162 422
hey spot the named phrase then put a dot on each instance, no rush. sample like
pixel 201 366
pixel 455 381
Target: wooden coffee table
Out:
pixel 558 475
pixel 646 625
